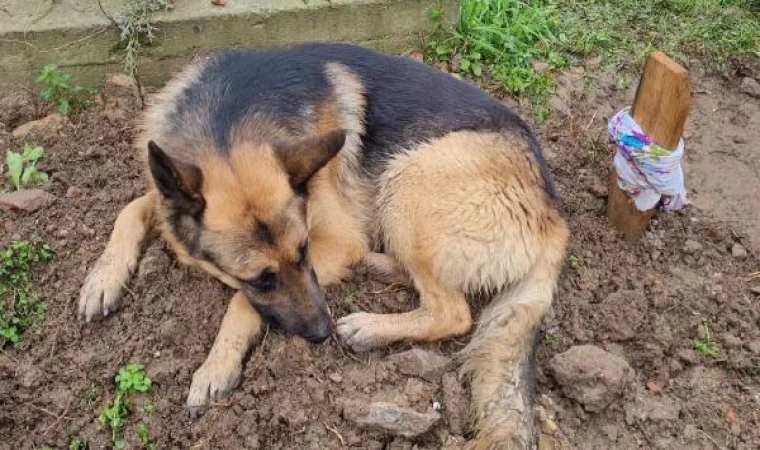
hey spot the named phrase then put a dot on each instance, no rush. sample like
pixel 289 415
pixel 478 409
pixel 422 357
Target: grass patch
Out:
pixel 131 379
pixel 20 307
pixel 501 43
pixel 705 346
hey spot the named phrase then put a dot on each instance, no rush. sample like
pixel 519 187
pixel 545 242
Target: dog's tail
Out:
pixel 500 357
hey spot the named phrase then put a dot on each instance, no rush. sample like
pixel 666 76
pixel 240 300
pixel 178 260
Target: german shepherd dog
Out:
pixel 278 171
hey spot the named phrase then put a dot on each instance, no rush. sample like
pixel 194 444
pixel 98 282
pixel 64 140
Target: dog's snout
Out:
pixel 320 332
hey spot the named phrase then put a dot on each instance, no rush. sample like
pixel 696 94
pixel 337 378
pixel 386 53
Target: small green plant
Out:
pixel 22 167
pixel 77 443
pixel 20 307
pixel 56 88
pixel 146 441
pixel 131 379
pixel 573 262
pixel 706 346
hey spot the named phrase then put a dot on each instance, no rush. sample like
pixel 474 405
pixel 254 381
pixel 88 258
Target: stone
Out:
pixel 591 376
pixel 74 192
pixel 750 86
pixel 732 341
pixel 754 346
pixel 389 418
pixel 755 290
pixel 648 407
pixel 28 200
pixel 691 246
pixel 421 363
pixel 120 97
pixel 456 403
pixel 738 251
pixel 53 121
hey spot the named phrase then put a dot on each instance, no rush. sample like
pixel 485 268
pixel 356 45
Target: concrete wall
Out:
pixel 76 35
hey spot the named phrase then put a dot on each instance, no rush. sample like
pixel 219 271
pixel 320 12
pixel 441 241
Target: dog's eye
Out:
pixel 303 255
pixel 265 282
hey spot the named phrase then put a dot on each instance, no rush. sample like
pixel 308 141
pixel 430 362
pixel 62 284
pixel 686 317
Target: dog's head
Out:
pixel 243 215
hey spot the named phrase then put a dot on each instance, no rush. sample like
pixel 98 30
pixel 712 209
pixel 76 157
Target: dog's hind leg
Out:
pixel 103 286
pixel 386 269
pixel 220 373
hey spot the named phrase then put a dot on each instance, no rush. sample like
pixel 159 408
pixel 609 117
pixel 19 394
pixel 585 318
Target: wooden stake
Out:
pixel 661 106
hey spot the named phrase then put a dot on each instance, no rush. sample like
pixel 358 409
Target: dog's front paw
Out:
pixel 362 332
pixel 101 291
pixel 213 381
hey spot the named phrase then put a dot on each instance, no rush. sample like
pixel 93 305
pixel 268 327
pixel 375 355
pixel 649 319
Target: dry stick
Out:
pixel 58 420
pixel 660 108
pixel 335 431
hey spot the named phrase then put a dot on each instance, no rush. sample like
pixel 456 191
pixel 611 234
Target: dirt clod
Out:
pixel 421 363
pixel 691 247
pixel 591 376
pixel 28 200
pixel 738 251
pixel 750 86
pixel 51 122
pixel 390 418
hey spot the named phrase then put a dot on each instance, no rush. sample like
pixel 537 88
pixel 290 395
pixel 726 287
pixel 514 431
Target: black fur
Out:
pixel 407 102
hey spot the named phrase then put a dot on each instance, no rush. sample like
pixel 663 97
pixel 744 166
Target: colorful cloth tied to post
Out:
pixel 648 172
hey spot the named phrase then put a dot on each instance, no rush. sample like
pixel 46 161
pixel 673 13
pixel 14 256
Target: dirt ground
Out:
pixel 645 302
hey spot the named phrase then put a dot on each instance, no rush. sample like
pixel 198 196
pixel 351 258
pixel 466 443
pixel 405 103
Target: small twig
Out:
pixel 646 437
pixel 57 420
pixel 100 5
pixel 714 442
pixel 50 413
pixel 335 431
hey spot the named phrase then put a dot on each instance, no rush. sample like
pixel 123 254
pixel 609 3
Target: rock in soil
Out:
pixel 28 200
pixel 692 247
pixel 390 418
pixel 421 363
pixel 738 251
pixel 751 87
pixel 648 407
pixel 120 97
pixel 53 121
pixel 591 376
pixel 456 403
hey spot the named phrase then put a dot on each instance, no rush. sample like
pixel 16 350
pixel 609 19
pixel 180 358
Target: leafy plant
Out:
pixel 56 88
pixel 22 167
pixel 131 379
pixel 706 346
pixel 573 262
pixel 146 441
pixel 20 306
pixel 77 443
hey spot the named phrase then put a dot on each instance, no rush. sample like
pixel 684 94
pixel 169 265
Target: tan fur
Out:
pixel 466 213
pixel 102 288
pixel 488 228
pixel 220 373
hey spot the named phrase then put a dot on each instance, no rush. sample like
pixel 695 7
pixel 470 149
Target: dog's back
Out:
pixel 407 103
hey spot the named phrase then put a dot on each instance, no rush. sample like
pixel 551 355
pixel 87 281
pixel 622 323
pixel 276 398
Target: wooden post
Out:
pixel 660 108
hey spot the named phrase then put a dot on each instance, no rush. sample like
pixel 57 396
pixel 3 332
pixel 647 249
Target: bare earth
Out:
pixel 643 302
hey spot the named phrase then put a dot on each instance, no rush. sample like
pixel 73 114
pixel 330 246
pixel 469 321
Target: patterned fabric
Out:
pixel 648 172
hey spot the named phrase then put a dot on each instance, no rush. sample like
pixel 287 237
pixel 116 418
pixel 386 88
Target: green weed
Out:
pixel 57 89
pixel 20 307
pixel 77 443
pixel 146 441
pixel 706 346
pixel 131 379
pixel 573 262
pixel 22 167
pixel 499 41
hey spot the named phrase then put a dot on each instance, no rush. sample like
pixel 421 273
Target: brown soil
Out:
pixel 645 302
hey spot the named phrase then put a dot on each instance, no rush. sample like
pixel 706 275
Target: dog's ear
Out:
pixel 303 158
pixel 177 182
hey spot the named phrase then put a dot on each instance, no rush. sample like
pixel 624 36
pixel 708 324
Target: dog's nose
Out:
pixel 320 332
